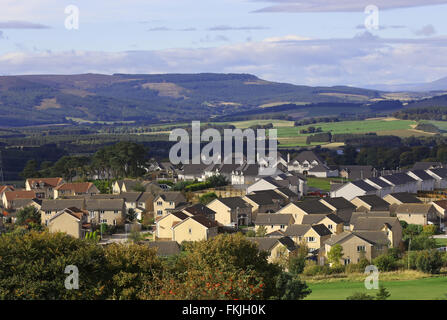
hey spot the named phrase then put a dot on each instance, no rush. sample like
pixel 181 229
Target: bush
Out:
pixel 297 264
pixel 429 261
pixel 385 262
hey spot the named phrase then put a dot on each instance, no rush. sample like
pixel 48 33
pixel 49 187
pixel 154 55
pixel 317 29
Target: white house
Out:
pixel 383 186
pixel 354 189
pixel 440 175
pixel 425 181
pixel 401 182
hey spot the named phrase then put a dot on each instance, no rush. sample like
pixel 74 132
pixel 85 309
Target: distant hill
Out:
pixel 438 85
pixel 49 99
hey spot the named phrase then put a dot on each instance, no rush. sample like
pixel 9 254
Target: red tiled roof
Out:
pixel 76 187
pixel 5 188
pixel 12 195
pixel 51 182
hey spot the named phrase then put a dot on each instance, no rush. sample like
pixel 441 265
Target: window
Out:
pixel 347 261
pixel 171 203
pixel 92 214
pixel 329 226
pixel 103 220
pixel 114 222
pixel 190 231
pixel 159 212
pixel 47 212
pixel 310 239
pixel 361 249
pixel 283 226
pixel 101 211
pixel 159 203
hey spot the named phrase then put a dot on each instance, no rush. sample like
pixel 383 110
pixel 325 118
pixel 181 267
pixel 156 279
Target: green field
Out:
pixel 421 289
pixel 322 183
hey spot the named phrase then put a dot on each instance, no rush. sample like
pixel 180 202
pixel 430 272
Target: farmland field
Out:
pixel 420 289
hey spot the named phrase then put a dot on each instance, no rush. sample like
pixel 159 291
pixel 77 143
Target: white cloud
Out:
pixel 342 5
pixel 290 37
pixel 358 61
pixel 426 31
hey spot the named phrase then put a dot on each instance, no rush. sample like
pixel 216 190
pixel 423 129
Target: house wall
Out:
pixel 412 218
pixel 223 213
pixel 296 212
pixel 161 207
pixel 191 230
pixel 164 227
pixel 350 250
pixel 68 224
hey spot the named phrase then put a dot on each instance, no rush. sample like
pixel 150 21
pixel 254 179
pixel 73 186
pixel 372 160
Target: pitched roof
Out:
pixel 313 207
pixel 12 195
pixel 131 196
pixel 441 203
pixel 414 208
pixel 373 223
pixel 199 209
pixel 357 172
pixel 267 243
pixel 339 203
pixel 376 203
pixel 50 182
pixel 319 168
pixel 307 156
pixel 60 204
pixel 287 192
pixel 405 197
pixel 372 237
pixel 104 204
pixel 321 230
pixel 234 202
pixel 313 218
pixel 260 199
pixel 180 215
pixel 165 248
pixel 5 188
pixel 426 165
pixel 78 187
pixel 21 203
pixel 204 221
pixel 273 218
pixel 194 169
pixel 399 178
pixel 73 211
pixel 379 182
pixel 364 186
pixel 421 174
pixel 297 230
pixel 173 196
pixel 271 194
pixel 441 172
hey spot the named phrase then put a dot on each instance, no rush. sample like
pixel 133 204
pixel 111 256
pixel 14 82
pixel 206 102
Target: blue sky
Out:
pixel 311 42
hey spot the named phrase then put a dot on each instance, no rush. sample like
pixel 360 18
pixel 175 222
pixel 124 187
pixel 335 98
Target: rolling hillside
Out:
pixel 54 99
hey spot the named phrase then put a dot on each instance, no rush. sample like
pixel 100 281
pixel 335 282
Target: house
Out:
pixel 440 175
pixel 168 201
pixel 10 196
pixel 426 165
pixel 109 211
pixel 200 209
pixel 356 172
pixel 354 189
pixel 305 161
pixel 441 208
pixel 342 208
pixel 396 199
pixel 273 222
pixel 165 223
pixel 278 248
pixel 417 213
pixel 262 203
pixel 288 194
pixel 72 221
pixel 75 189
pixel 129 185
pixel 425 181
pixel 389 225
pixel 3 189
pixel 356 215
pixel 313 236
pixel 401 182
pixel 271 183
pixel 382 186
pixel 333 222
pixel 193 172
pixel 194 228
pixel 300 209
pixel 296 182
pixel 165 248
pixel 43 187
pixel 19 204
pixel 276 196
pixel 370 203
pixel 245 175
pixel 358 244
pixel 50 207
pixel 233 211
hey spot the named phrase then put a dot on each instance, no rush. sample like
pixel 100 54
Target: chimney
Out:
pixel 288 157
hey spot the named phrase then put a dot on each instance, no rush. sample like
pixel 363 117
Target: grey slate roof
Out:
pixel 399 178
pixel 267 243
pixel 373 223
pixel 297 230
pixel 421 174
pixel 405 197
pixel 441 172
pixel 199 209
pixel 376 203
pixel 234 202
pixel 104 204
pixel 364 186
pixel 273 219
pixel 260 199
pixel 379 182
pixel 313 207
pixel 340 203
pixel 307 155
pixel 61 204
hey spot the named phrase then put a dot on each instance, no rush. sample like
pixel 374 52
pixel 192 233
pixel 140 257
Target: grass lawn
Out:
pixel 420 289
pixel 322 183
pixel 441 242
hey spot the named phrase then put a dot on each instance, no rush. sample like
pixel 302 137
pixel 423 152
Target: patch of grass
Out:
pixel 323 183
pixel 419 289
pixel 441 242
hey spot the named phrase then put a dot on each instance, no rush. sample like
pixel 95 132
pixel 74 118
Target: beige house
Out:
pixel 278 248
pixel 358 244
pixel 165 202
pixel 331 221
pixel 273 222
pixel 75 189
pixel 43 187
pixel 10 196
pixel 50 208
pixel 389 225
pixel 108 211
pixel 195 228
pixel 299 209
pixel 396 199
pixel 417 213
pixel 314 236
pixel 370 203
pixel 164 225
pixel 232 211
pixel 262 203
pixel 71 221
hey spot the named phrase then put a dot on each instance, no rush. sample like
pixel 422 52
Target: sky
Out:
pixel 312 42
